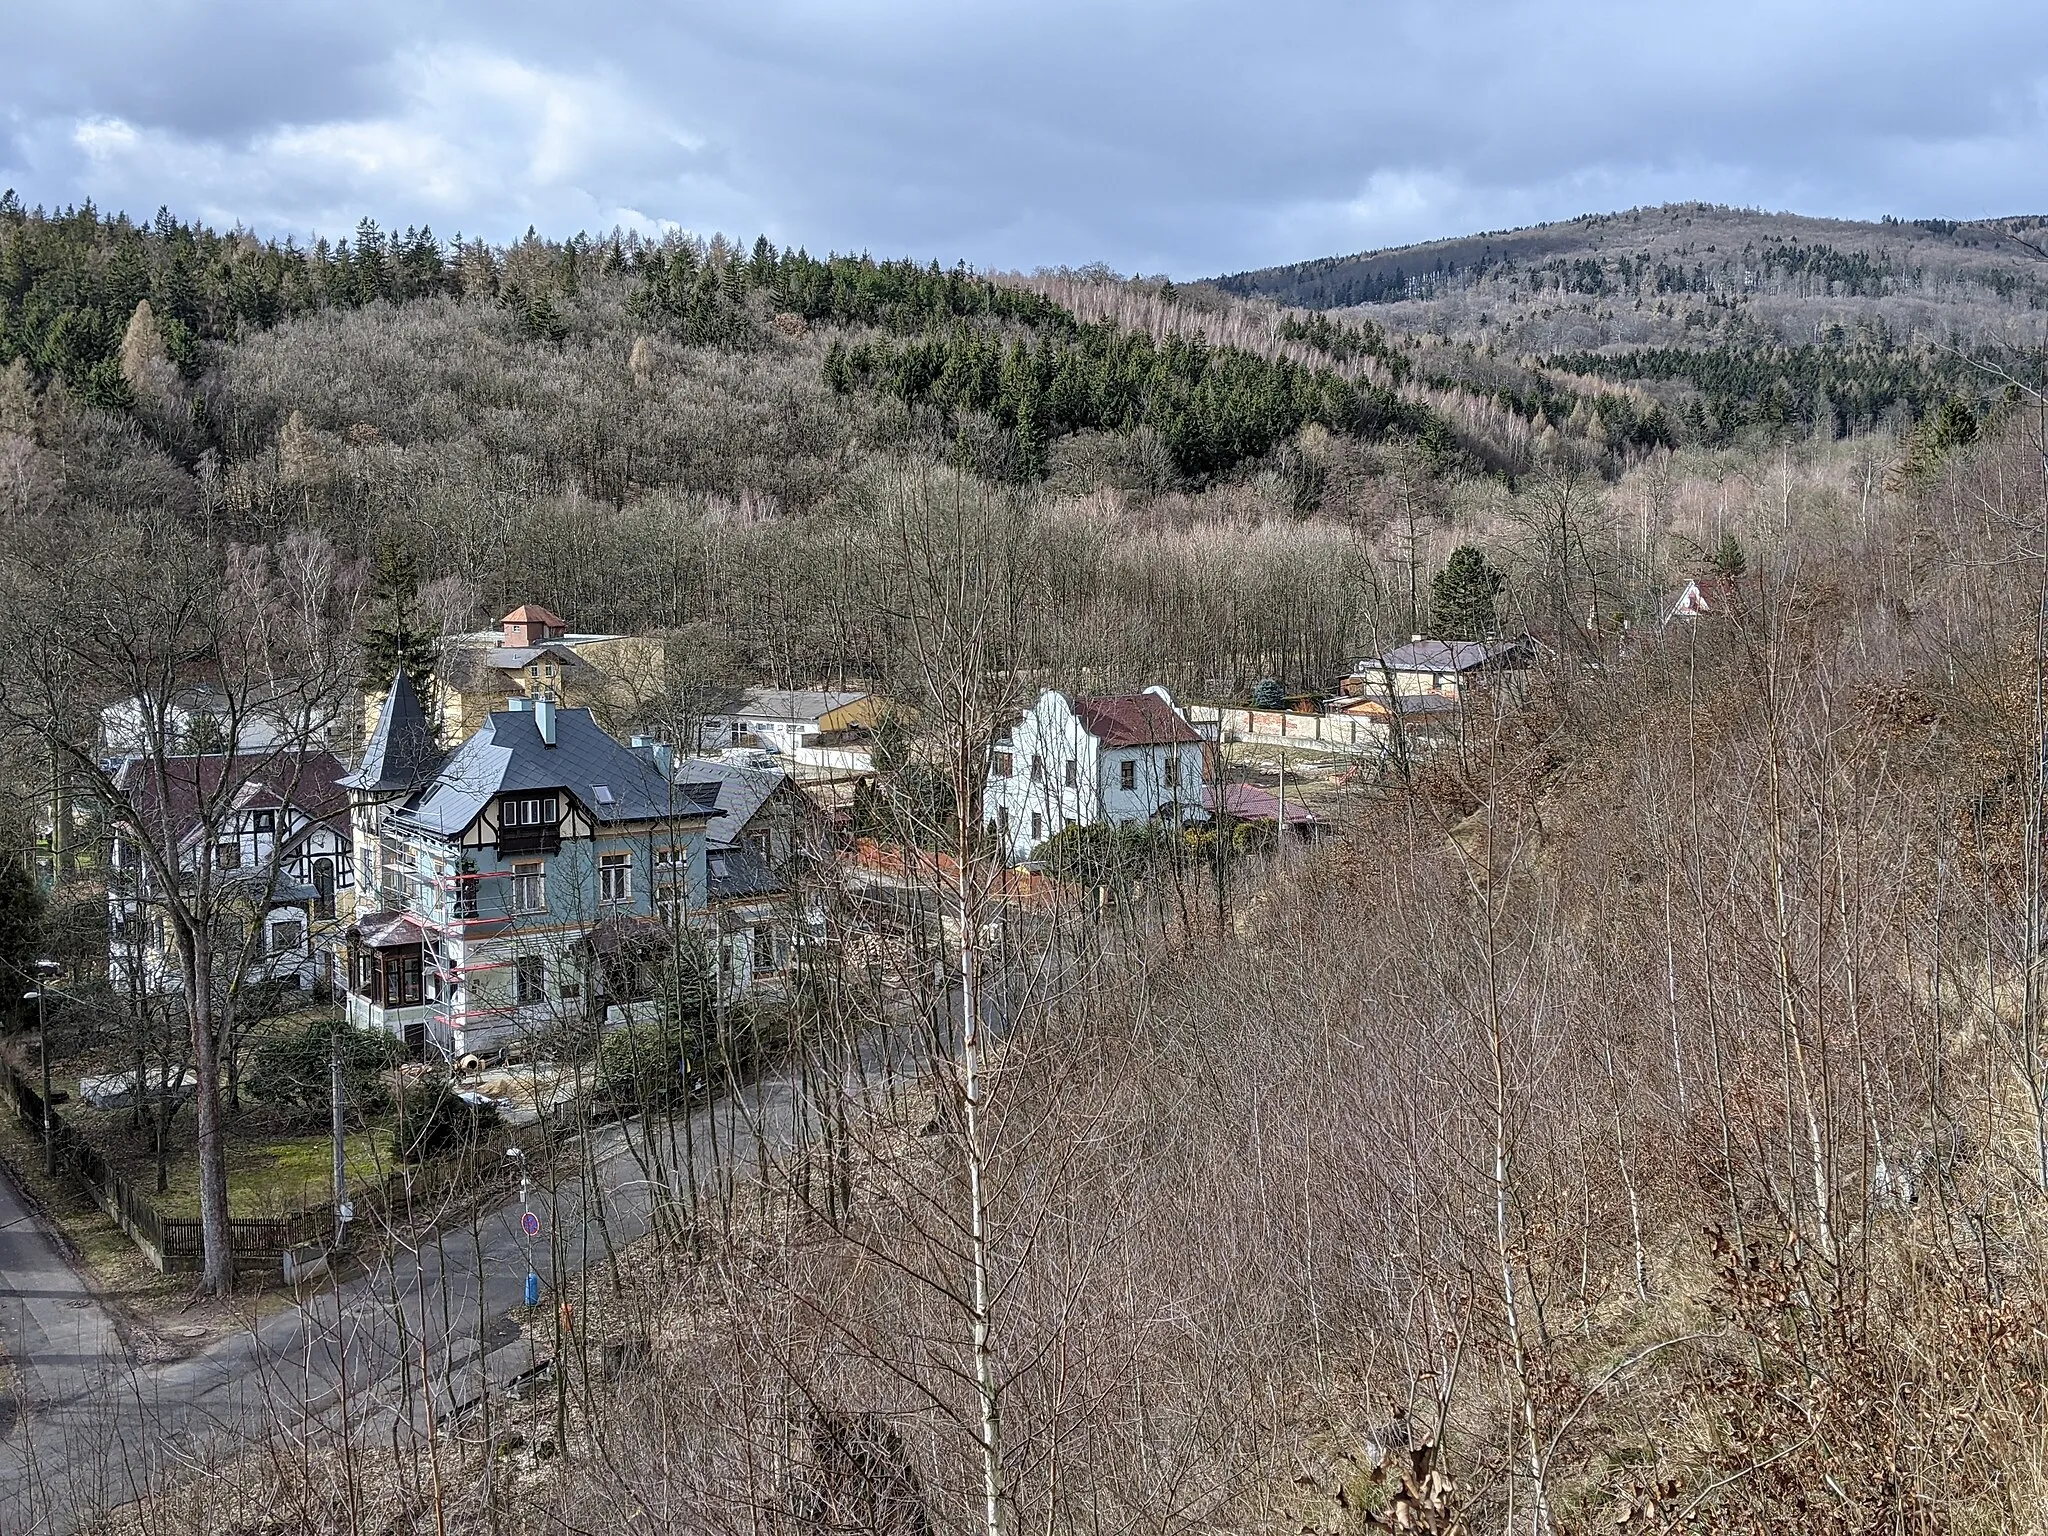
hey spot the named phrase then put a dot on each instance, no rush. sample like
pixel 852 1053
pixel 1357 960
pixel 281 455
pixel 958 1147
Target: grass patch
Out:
pixel 277 1175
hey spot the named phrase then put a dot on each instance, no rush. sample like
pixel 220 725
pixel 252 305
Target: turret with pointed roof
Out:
pixel 401 754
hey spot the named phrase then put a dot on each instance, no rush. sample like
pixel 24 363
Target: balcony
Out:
pixel 514 842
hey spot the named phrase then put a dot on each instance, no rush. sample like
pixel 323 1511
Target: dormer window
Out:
pixel 264 823
pixel 530 811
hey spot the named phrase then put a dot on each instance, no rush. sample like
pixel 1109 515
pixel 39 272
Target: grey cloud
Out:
pixel 1190 136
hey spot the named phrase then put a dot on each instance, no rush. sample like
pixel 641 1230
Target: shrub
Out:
pixel 294 1069
pixel 433 1120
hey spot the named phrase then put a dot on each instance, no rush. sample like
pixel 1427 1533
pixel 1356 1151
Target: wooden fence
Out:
pixel 176 1244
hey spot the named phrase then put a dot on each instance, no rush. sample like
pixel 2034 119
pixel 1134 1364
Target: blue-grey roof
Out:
pixel 739 792
pixel 401 753
pixel 506 755
pixel 1446 655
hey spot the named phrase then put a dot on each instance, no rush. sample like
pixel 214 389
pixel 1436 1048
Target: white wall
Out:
pixel 1051 735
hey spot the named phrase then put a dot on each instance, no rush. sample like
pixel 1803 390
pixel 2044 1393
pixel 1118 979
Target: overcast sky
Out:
pixel 1181 136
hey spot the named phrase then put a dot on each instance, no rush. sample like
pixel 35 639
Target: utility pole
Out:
pixel 342 1209
pixel 1280 826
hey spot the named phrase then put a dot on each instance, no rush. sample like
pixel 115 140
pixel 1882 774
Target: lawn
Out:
pixel 279 1174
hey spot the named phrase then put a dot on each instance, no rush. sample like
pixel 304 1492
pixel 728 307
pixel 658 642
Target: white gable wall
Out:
pixel 1040 797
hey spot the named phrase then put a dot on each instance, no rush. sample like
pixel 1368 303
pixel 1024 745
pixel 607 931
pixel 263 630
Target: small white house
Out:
pixel 199 718
pixel 1092 762
pixel 784 719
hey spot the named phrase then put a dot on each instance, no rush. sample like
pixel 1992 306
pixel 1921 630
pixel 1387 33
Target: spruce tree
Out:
pixel 396 638
pixel 1462 594
pixel 1729 560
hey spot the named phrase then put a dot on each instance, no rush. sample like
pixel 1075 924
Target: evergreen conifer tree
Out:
pixel 396 638
pixel 1462 594
pixel 1729 560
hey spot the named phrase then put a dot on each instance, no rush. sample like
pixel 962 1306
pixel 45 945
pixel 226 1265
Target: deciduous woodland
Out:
pixel 1635 1115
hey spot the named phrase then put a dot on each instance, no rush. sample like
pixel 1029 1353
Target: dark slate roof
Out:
pixel 171 806
pixel 1446 656
pixel 740 874
pixel 506 755
pixel 1134 720
pixel 401 753
pixel 740 792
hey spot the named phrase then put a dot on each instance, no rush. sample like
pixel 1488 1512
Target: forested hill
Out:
pixel 1729 319
pixel 1979 267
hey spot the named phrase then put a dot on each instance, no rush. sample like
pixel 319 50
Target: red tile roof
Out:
pixel 1134 720
pixel 533 613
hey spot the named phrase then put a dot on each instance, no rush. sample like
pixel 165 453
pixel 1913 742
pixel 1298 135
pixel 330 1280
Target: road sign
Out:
pixel 531 1223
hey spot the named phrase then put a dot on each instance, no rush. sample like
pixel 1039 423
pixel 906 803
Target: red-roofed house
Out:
pixel 1091 762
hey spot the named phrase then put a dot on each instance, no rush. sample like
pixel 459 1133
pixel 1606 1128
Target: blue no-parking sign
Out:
pixel 531 1223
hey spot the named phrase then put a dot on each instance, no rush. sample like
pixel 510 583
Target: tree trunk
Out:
pixel 218 1275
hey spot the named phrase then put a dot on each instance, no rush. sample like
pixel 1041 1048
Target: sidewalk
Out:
pixel 62 1341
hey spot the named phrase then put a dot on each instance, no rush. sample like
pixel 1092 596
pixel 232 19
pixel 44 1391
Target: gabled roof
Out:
pixel 171 806
pixel 739 792
pixel 1135 720
pixel 1250 802
pixel 792 703
pixel 1447 655
pixel 1702 596
pixel 509 658
pixel 506 755
pixel 533 613
pixel 401 751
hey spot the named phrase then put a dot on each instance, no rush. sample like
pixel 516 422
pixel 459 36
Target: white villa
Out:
pixel 1089 762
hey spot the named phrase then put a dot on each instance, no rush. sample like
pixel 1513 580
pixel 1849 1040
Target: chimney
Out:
pixel 544 719
pixel 665 759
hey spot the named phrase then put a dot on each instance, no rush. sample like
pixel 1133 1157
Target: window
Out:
pixel 402 978
pixel 1173 770
pixel 264 823
pixel 227 854
pixel 1005 765
pixel 1073 773
pixel 530 811
pixel 530 980
pixel 1127 773
pixel 1037 827
pixel 1037 769
pixel 672 881
pixel 764 950
pixel 530 887
pixel 287 936
pixel 615 877
pixel 323 887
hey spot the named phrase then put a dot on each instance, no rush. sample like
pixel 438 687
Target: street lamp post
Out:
pixel 44 970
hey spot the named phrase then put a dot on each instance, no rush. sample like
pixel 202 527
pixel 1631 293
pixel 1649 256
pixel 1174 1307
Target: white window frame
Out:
pixel 615 878
pixel 536 871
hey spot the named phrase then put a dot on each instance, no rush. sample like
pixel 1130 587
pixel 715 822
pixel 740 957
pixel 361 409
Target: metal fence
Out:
pixel 175 1244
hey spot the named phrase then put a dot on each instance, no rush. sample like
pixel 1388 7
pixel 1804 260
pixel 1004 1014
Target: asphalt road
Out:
pixel 97 1429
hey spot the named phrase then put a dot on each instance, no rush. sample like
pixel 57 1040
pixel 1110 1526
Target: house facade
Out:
pixel 783 720
pixel 532 876
pixel 534 653
pixel 1439 668
pixel 764 831
pixel 269 831
pixel 1091 762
